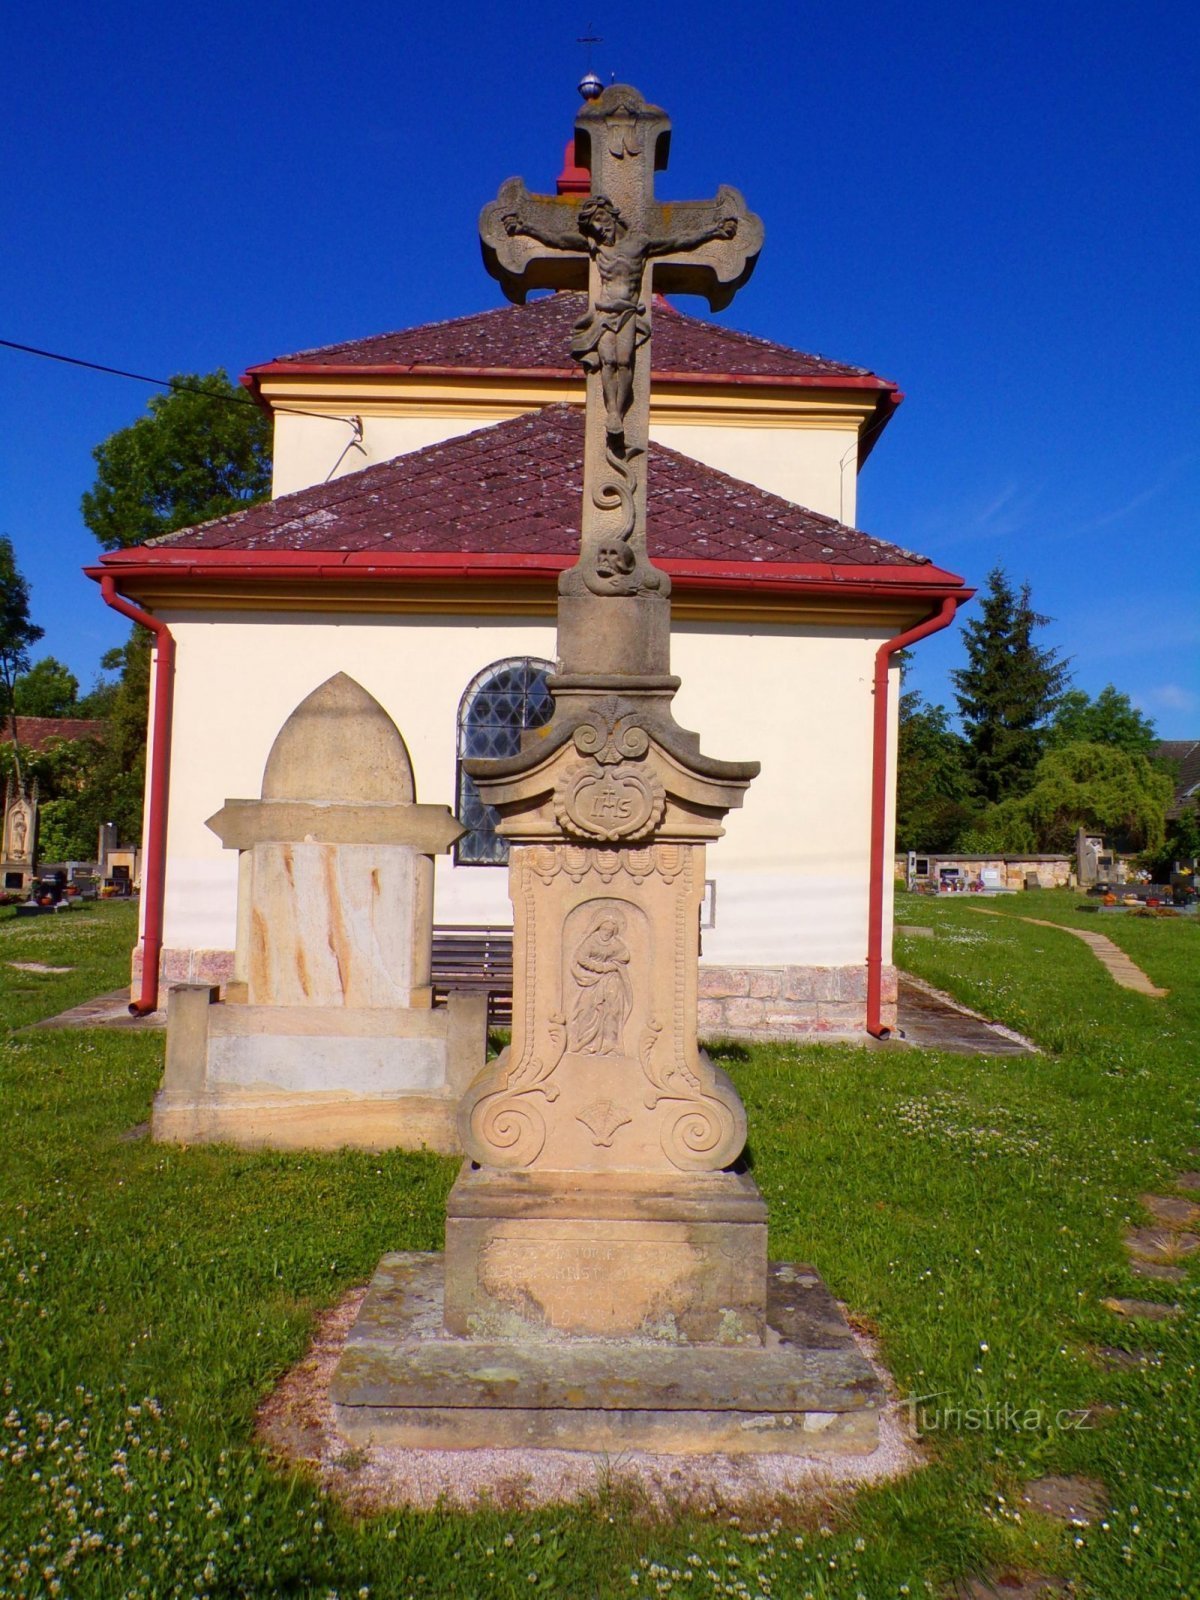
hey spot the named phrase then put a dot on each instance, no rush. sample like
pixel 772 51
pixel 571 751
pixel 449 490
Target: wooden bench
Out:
pixel 472 957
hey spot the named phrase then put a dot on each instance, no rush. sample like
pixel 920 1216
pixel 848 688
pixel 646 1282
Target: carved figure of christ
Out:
pixel 617 322
pixel 618 243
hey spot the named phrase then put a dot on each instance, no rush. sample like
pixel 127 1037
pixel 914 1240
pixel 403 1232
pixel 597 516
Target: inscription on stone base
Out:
pixel 526 1278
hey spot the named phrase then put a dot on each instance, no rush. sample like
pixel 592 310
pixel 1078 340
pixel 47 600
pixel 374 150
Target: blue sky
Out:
pixel 995 206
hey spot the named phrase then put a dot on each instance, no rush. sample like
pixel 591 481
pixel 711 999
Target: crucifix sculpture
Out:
pixel 619 243
pixel 605 1283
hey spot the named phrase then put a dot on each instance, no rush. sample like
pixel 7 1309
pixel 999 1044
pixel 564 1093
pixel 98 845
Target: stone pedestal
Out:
pixel 404 1381
pixel 327 1036
pixel 534 1255
pixel 605 1284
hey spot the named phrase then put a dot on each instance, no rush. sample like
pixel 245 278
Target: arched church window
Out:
pixel 499 704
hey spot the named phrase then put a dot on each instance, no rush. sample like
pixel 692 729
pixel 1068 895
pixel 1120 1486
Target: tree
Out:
pixel 204 451
pixel 1092 786
pixel 1180 847
pixel 84 782
pixel 47 689
pixel 119 777
pixel 17 632
pixel 70 805
pixel 1007 691
pixel 932 788
pixel 1111 718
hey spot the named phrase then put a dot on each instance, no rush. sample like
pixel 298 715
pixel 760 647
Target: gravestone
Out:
pixel 605 1281
pixel 327 1035
pixel 18 839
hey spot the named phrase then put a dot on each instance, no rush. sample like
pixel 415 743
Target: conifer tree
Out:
pixel 1007 691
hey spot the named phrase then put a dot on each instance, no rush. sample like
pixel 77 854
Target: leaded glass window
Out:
pixel 499 704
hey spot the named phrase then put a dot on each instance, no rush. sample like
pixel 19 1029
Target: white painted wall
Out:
pixel 811 466
pixel 791 872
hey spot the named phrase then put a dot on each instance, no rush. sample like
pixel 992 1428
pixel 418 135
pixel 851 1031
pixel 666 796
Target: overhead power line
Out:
pixel 173 384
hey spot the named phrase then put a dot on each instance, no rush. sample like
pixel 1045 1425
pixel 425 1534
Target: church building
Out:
pixel 426 497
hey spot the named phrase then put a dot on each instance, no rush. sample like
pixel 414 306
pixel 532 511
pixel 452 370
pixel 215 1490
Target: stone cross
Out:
pixel 605 1279
pixel 619 243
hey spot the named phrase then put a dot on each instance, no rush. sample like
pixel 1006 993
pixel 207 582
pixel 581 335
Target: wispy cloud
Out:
pixel 1017 509
pixel 1173 697
pixel 1010 510
pixel 1166 478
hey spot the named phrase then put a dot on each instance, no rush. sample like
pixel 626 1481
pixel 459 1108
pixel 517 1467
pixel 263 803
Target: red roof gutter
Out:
pixel 897 580
pixel 154 865
pixel 933 623
pixel 425 369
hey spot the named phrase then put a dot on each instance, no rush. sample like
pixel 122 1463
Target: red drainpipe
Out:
pixel 933 623
pixel 154 866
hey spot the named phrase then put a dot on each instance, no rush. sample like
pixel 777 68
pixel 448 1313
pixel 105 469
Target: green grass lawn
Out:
pixel 970 1211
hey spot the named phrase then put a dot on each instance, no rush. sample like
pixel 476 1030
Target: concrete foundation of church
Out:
pixel 405 1382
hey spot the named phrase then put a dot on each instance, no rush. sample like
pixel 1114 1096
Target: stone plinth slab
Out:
pixel 530 1255
pixel 316 1077
pixel 404 1381
pixel 292 1121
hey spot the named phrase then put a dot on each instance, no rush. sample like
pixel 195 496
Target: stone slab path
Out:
pixel 927 1017
pixel 105 1011
pixel 1121 968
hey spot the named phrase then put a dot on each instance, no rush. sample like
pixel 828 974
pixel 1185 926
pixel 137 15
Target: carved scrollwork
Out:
pixel 700 1133
pixel 546 861
pixel 612 732
pixel 506 1128
pixel 606 802
pixel 509 1132
pixel 702 1136
pixel 671 1080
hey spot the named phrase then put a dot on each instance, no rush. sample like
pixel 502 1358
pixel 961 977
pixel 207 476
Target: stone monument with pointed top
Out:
pixel 605 1281
pixel 326 1036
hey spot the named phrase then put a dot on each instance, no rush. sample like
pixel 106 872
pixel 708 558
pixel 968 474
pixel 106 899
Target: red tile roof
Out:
pixel 1184 754
pixel 36 733
pixel 516 487
pixel 535 337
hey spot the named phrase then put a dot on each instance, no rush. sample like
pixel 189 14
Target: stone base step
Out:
pixel 404 1382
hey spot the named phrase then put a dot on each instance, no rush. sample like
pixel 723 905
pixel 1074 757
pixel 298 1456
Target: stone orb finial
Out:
pixel 339 745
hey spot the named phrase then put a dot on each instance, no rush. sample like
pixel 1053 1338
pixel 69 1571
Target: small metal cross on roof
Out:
pixel 620 244
pixel 590 86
